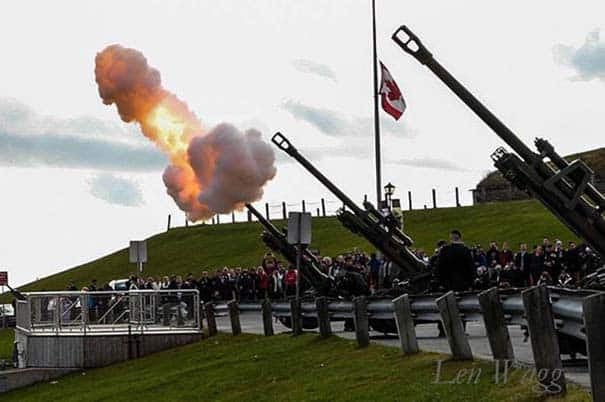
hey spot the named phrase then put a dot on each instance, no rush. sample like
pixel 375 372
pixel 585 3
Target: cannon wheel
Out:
pixel 384 326
pixel 307 322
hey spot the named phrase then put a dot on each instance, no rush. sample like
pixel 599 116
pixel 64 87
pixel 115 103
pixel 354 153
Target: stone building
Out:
pixel 494 187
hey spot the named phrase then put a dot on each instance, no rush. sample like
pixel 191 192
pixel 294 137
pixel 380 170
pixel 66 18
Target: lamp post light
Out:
pixel 389 189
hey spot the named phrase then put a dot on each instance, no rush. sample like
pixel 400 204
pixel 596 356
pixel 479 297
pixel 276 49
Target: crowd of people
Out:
pixel 454 267
pixel 548 263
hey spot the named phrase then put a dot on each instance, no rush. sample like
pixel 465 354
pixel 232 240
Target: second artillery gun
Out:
pixel 565 188
pixel 383 232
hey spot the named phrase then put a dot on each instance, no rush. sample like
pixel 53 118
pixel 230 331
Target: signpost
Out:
pixel 3 283
pixel 299 234
pixel 138 253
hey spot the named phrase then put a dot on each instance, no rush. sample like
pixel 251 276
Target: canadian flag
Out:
pixel 392 99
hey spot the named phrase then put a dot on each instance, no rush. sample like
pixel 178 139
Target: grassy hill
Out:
pixel 282 368
pixel 192 249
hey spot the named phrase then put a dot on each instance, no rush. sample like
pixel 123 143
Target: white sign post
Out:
pixel 299 234
pixel 138 253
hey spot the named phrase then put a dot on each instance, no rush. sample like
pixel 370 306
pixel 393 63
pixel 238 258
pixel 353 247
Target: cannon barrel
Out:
pixel 564 188
pixel 382 232
pixel 285 145
pixel 269 227
pixel 410 43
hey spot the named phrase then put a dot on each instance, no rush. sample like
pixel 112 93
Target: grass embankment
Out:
pixel 7 338
pixel 192 249
pixel 282 368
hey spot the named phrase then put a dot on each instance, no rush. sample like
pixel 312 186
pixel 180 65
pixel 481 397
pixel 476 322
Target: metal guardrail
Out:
pixel 566 306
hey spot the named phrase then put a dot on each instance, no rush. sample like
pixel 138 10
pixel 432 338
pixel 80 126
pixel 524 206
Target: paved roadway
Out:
pixel 427 335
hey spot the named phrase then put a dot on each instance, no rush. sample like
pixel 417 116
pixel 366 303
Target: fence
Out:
pixel 559 321
pixel 444 198
pixel 90 313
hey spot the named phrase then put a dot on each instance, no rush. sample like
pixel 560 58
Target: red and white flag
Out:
pixel 392 99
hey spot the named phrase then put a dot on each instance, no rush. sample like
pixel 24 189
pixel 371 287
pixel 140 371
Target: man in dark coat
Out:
pixel 455 268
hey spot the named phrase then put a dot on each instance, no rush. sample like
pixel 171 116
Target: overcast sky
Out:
pixel 78 183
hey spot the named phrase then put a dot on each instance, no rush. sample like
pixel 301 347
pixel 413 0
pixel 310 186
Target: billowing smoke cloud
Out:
pixel 210 172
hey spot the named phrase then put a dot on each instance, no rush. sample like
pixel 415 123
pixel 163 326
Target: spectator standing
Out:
pixel 523 263
pixel 263 283
pixel 204 286
pixel 536 267
pixel 374 265
pixel 505 256
pixel 290 281
pixel 493 254
pixel 455 267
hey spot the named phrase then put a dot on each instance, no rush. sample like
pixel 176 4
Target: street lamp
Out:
pixel 389 189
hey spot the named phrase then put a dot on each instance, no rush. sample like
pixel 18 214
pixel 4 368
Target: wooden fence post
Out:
pixel 267 211
pixel 323 207
pixel 232 216
pixel 186 222
pixel 544 342
pixel 168 226
pixel 218 219
pixel 249 216
pixel 405 325
pixel 236 327
pixel 283 210
pixel 457 197
pixel 318 212
pixel 323 317
pixel 304 208
pixel 410 200
pixel 267 317
pixel 434 198
pixel 495 325
pixel 453 327
pixel 361 321
pixel 594 311
pixel 295 317
pixel 210 319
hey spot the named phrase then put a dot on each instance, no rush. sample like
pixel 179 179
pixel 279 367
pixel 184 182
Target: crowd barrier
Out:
pixel 558 320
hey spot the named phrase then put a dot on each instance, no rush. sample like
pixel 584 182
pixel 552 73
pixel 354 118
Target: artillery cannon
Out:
pixel 565 188
pixel 383 232
pixel 277 240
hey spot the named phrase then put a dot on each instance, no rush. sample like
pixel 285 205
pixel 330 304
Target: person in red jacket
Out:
pixel 290 281
pixel 263 283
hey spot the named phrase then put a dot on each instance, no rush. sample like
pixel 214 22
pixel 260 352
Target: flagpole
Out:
pixel 376 110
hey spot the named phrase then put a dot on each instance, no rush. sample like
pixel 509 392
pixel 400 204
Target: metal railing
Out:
pixel 88 313
pixel 566 306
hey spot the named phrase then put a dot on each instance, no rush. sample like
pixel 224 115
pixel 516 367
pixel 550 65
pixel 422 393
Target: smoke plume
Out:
pixel 215 171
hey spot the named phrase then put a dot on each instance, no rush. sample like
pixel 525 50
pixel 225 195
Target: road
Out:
pixel 428 340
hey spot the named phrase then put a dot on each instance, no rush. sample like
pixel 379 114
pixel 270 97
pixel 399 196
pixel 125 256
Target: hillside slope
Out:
pixel 192 249
pixel 283 368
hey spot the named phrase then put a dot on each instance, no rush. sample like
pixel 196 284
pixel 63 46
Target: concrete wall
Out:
pixel 14 379
pixel 95 351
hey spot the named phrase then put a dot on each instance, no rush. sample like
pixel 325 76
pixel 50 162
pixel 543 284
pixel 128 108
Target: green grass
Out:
pixel 7 338
pixel 282 368
pixel 192 249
